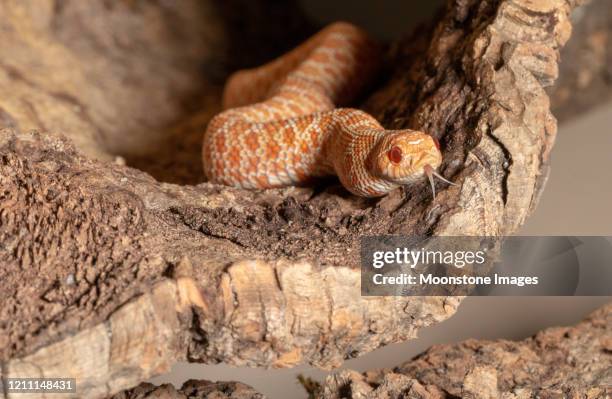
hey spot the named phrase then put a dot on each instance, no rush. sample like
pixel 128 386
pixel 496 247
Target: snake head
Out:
pixel 403 156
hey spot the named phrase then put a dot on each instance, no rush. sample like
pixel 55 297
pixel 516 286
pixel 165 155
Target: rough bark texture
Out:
pixel 193 390
pixel 585 79
pixel 560 362
pixel 111 276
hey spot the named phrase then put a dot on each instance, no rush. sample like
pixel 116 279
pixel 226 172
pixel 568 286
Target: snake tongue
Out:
pixel 430 173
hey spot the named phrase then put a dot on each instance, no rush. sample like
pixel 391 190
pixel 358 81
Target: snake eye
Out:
pixel 395 154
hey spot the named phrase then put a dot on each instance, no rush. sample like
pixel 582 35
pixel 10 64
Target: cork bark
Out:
pixel 192 389
pixel 116 264
pixel 574 362
pixel 568 362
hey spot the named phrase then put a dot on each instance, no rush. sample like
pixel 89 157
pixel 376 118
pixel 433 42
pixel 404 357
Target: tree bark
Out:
pixel 110 275
pixel 193 390
pixel 557 362
pixel 574 362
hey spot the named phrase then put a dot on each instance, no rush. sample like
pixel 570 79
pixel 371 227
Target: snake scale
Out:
pixel 284 123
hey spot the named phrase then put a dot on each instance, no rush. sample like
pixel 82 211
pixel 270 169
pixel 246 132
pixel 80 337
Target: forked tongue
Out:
pixel 430 173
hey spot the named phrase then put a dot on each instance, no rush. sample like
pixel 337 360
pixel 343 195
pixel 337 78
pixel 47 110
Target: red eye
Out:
pixel 395 154
pixel 437 143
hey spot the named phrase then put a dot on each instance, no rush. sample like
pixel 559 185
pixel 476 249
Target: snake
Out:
pixel 288 122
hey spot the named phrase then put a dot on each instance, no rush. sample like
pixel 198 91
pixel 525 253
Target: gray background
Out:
pixel 575 202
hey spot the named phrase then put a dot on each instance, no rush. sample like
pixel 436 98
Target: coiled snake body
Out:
pixel 283 125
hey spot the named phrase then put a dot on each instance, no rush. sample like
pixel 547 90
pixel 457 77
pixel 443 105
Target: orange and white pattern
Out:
pixel 283 125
